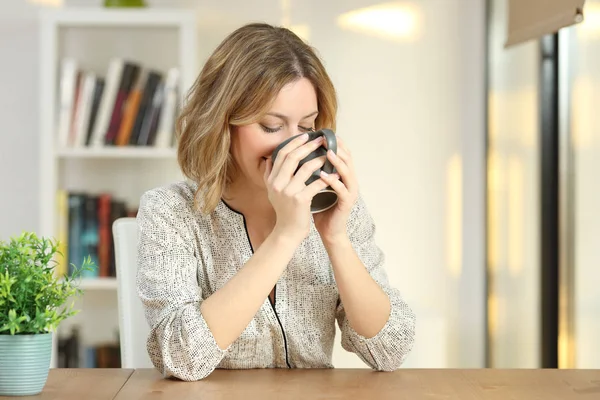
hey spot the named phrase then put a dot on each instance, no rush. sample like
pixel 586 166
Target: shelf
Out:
pixel 98 284
pixel 107 17
pixel 117 152
pixel 155 37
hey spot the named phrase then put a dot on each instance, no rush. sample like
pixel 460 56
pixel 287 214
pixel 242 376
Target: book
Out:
pixel 131 105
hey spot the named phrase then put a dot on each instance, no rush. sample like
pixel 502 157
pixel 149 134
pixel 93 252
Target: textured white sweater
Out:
pixel 185 256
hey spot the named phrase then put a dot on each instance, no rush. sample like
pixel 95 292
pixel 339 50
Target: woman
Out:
pixel 234 271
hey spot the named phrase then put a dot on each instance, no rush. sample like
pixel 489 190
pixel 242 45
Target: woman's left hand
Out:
pixel 331 224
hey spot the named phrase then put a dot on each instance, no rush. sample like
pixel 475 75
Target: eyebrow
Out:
pixel 283 117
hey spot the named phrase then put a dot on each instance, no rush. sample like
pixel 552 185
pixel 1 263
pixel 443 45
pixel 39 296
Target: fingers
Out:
pixel 343 152
pixel 345 156
pixel 291 161
pixel 341 143
pixel 281 156
pixel 311 190
pixel 340 166
pixel 293 158
pixel 333 180
pixel 297 183
pixel 344 169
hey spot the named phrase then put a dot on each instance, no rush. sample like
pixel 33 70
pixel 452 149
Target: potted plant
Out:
pixel 33 302
pixel 124 3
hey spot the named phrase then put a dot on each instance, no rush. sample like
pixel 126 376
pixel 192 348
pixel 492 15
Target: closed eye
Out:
pixel 273 130
pixel 270 130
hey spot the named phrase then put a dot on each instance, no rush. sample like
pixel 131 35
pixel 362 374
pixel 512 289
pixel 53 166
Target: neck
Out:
pixel 250 200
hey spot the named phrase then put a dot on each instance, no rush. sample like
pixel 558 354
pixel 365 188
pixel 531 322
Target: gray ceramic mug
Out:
pixel 327 197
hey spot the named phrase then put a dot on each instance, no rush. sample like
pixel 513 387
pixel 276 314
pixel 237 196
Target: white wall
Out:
pixel 19 118
pixel 513 251
pixel 412 112
pixel 582 65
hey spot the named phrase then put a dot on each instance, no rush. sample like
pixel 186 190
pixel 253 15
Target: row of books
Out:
pixel 73 354
pixel 85 228
pixel 131 105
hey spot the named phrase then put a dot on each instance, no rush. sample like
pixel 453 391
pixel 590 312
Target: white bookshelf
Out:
pixel 127 152
pixel 99 284
pixel 107 283
pixel 156 38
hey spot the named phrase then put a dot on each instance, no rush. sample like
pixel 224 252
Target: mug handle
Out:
pixel 331 145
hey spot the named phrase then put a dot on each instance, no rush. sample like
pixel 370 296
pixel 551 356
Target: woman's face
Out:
pixel 293 112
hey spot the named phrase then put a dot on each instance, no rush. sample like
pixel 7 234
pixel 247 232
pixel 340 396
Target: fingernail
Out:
pixel 324 174
pixel 332 154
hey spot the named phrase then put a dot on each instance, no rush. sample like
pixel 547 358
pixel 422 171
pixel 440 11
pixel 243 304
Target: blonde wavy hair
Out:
pixel 237 86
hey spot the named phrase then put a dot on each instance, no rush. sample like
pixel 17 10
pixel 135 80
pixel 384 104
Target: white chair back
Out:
pixel 133 328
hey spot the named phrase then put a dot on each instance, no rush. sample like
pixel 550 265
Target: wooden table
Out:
pixel 476 384
pixel 82 384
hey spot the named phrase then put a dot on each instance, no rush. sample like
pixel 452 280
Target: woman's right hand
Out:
pixel 288 192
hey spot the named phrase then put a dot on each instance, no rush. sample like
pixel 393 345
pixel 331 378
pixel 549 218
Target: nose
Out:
pixel 294 132
pixel 284 135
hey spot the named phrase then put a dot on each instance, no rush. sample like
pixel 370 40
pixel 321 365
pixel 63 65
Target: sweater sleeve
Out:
pixel 386 350
pixel 180 343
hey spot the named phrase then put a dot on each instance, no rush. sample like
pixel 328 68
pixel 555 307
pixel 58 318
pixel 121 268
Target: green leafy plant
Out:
pixel 124 3
pixel 33 299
